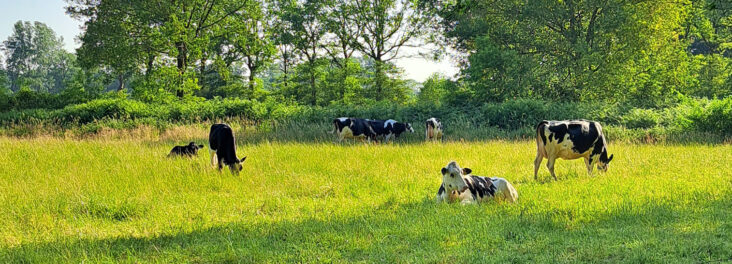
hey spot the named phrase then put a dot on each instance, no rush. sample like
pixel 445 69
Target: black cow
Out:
pixel 346 127
pixel 571 139
pixel 390 128
pixel 223 147
pixel 189 150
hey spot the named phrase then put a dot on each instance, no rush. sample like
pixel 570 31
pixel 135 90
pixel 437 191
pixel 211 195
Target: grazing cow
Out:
pixel 390 128
pixel 433 129
pixel 571 139
pixel 459 184
pixel 222 147
pixel 346 127
pixel 189 150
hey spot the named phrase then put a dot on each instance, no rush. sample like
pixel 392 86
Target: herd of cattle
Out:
pixel 568 139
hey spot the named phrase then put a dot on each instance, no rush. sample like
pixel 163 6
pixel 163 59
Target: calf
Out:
pixel 571 139
pixel 346 127
pixel 459 184
pixel 433 129
pixel 222 148
pixel 189 150
pixel 390 128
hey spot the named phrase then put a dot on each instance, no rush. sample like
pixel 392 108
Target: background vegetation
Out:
pixel 630 64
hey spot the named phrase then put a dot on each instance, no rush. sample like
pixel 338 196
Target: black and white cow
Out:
pixel 346 127
pixel 390 128
pixel 189 150
pixel 222 148
pixel 459 185
pixel 433 129
pixel 571 139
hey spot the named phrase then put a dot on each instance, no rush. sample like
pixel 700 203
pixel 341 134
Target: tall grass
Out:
pixel 123 201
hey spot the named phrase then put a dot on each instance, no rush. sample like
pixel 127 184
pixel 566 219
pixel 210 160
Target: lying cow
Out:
pixel 222 148
pixel 433 129
pixel 189 150
pixel 389 128
pixel 571 139
pixel 459 185
pixel 346 127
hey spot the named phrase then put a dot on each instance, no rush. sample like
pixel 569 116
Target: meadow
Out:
pixel 122 200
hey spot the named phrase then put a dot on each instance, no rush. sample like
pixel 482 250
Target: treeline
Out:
pixel 645 54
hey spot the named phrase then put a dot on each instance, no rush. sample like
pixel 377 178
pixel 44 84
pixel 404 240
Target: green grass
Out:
pixel 123 201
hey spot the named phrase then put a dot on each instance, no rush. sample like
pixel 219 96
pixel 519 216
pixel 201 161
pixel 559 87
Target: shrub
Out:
pixel 641 118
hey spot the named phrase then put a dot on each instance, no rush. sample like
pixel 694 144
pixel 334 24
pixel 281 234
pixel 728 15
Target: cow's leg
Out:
pixel 537 162
pixel 550 166
pixel 220 163
pixel 589 166
pixel 212 153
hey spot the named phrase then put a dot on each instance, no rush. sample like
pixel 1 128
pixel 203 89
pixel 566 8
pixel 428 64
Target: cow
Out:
pixel 460 185
pixel 346 127
pixel 189 150
pixel 390 128
pixel 433 129
pixel 222 148
pixel 571 139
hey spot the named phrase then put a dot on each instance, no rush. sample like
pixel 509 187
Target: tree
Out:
pixel 573 49
pixel 35 58
pixel 127 34
pixel 252 38
pixel 387 25
pixel 307 28
pixel 341 40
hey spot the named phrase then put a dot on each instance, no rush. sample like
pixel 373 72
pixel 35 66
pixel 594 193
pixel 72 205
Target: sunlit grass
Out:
pixel 122 200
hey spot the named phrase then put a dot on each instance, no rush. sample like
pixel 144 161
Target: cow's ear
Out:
pixel 192 143
pixel 467 171
pixel 611 158
pixel 242 159
pixel 444 170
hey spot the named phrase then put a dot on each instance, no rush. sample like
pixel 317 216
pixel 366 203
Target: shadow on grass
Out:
pixel 427 232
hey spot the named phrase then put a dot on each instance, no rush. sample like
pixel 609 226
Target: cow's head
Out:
pixel 409 128
pixel 604 161
pixel 194 147
pixel 237 166
pixel 452 177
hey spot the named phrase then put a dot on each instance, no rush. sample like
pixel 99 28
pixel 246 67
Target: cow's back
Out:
pixel 221 135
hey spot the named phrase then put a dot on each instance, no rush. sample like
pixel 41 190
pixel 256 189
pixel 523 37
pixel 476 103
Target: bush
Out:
pixel 641 118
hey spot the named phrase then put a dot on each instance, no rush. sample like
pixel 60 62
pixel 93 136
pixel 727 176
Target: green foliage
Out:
pixel 641 118
pixel 35 58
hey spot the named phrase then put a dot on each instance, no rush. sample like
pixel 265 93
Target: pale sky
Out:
pixel 52 13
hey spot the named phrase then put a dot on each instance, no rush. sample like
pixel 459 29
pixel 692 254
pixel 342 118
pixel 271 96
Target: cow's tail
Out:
pixel 335 126
pixel 541 137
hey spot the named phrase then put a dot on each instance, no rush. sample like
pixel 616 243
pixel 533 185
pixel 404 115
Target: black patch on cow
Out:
pixel 221 139
pixel 444 170
pixel 441 190
pixel 558 132
pixel 480 187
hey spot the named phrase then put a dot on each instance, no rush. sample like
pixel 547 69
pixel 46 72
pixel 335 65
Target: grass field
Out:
pixel 122 201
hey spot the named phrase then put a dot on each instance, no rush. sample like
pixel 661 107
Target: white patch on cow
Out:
pixel 504 190
pixel 389 122
pixel 342 119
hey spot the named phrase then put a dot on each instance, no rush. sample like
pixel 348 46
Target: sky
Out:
pixel 52 13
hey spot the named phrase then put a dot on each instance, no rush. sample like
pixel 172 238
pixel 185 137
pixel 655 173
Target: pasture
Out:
pixel 121 200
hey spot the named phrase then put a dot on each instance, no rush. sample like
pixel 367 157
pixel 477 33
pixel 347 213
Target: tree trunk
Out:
pixel 182 56
pixel 379 75
pixel 121 80
pixel 251 81
pixel 312 84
